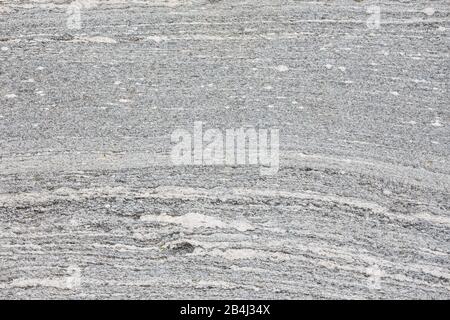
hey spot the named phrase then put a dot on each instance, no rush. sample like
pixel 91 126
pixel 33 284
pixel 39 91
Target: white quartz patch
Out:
pixel 192 221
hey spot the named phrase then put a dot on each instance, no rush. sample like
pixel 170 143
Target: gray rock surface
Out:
pixel 91 206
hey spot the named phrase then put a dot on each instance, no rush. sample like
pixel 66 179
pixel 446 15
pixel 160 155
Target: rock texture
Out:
pixel 91 207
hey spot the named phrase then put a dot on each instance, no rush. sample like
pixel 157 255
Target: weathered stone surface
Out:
pixel 91 207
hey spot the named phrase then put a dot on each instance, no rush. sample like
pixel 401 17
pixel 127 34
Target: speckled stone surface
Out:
pixel 91 206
